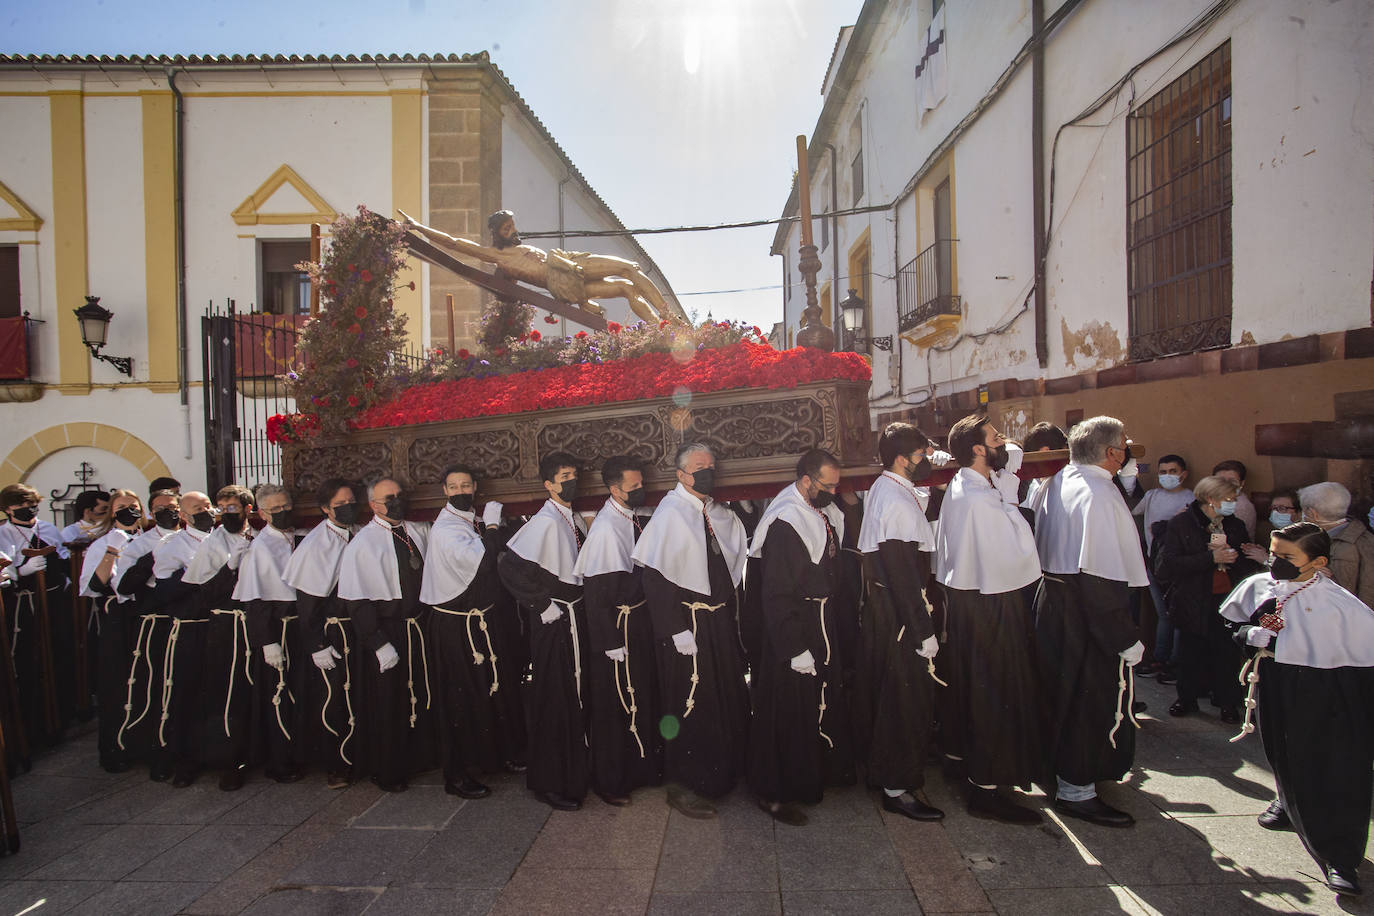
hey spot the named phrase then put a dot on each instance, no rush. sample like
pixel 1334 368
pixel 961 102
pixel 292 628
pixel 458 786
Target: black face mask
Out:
pixel 1283 569
pixel 166 518
pixel 203 521
pixel 635 498
pixel 346 514
pixel 24 514
pixel 918 471
pixel 396 507
pixel 461 501
pixel 284 519
pixel 568 490
pixel 231 522
pixel 704 481
pixel 128 516
pixel 822 499
pixel 997 458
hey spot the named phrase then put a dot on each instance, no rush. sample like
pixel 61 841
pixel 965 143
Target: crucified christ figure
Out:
pixel 573 276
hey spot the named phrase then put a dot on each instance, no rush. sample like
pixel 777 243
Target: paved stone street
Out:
pixel 101 844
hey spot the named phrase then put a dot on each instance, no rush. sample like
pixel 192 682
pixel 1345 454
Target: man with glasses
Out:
pixel 799 736
pixel 1090 553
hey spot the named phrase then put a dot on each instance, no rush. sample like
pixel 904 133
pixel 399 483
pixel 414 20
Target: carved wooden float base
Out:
pixel 757 435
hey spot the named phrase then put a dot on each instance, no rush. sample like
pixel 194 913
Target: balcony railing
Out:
pixel 925 287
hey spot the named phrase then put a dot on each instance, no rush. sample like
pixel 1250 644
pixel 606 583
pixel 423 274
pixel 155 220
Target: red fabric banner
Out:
pixel 14 350
pixel 265 345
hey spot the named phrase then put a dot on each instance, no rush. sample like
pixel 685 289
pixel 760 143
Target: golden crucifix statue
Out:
pixel 572 276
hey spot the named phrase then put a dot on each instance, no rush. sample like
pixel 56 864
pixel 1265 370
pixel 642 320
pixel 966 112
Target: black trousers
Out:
pixel 1209 663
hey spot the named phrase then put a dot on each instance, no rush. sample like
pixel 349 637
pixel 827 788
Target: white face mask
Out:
pixel 1169 481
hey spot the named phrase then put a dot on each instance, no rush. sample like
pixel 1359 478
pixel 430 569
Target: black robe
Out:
pixel 1083 622
pixel 396 734
pixel 894 707
pixel 799 738
pixel 137 734
pixel 180 736
pixel 627 749
pixel 329 699
pixel 232 679
pixel 478 729
pixel 276 707
pixel 556 720
pixel 42 664
pixel 1317 726
pixel 992 717
pixel 706 743
pixel 111 669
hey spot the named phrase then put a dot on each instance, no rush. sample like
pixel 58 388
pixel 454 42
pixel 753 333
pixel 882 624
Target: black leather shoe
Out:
pixel 615 801
pixel 1095 811
pixel 1166 677
pixel 1182 708
pixel 784 813
pixel 690 804
pixel 992 805
pixel 160 771
pixel 399 785
pixel 558 802
pixel 231 780
pixel 1139 706
pixel 468 788
pixel 1275 818
pixel 1230 715
pixel 339 780
pixel 286 776
pixel 115 765
pixel 909 805
pixel 1343 881
pixel 184 776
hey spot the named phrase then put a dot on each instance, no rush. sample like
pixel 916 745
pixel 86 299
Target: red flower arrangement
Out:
pixel 741 365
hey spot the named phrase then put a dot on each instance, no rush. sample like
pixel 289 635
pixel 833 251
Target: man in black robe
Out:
pixel 799 704
pixel 897 644
pixel 627 750
pixel 1091 556
pixel 480 717
pixel 693 552
pixel 538 568
pixel 379 577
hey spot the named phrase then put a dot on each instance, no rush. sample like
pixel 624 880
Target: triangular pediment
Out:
pixel 284 199
pixel 15 214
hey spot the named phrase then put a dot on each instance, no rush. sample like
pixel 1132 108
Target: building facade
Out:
pixel 163 185
pixel 1195 184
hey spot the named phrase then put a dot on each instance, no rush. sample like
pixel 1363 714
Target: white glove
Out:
pixel 1015 455
pixel 804 663
pixel 939 459
pixel 237 548
pixel 551 613
pixel 273 655
pixel 1128 473
pixel 387 657
pixel 324 659
pixel 685 642
pixel 929 647
pixel 33 565
pixel 1134 654
pixel 491 514
pixel 1259 637
pixel 616 655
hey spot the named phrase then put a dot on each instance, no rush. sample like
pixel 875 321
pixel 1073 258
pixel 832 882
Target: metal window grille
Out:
pixel 925 286
pixel 1178 213
pixel 857 173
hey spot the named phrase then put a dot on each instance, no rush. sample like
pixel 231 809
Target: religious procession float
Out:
pixel 643 389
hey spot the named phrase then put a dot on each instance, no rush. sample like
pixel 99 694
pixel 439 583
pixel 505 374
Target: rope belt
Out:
pixel 576 645
pixel 930 662
pixel 413 625
pixel 281 677
pixel 1249 675
pixel 820 718
pixel 93 618
pixel 143 646
pixel 1125 688
pixel 622 623
pixel 477 657
pixel 240 621
pixel 347 687
pixel 168 668
pixel 33 609
pixel 693 607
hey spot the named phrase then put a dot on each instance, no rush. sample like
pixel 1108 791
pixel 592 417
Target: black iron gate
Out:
pixel 246 357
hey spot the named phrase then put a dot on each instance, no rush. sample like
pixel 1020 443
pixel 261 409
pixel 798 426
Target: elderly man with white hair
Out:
pixel 1090 552
pixel 1352 545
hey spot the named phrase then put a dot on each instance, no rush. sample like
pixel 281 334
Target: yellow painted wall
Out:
pixel 407 162
pixel 69 235
pixel 159 226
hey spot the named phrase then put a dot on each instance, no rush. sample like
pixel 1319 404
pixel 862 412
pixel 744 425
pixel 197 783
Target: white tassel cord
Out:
pixel 347 687
pixel 1125 681
pixel 693 607
pixel 622 622
pixel 1249 675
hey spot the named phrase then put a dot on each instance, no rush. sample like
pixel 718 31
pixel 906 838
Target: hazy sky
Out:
pixel 678 112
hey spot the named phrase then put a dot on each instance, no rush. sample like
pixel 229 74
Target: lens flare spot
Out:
pixel 668 727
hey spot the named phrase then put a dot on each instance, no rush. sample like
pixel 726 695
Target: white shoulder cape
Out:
pixel 451 560
pixel 262 568
pixel 674 541
pixel 176 552
pixel 547 540
pixel 367 570
pixel 983 543
pixel 314 564
pixel 609 543
pixel 1324 625
pixel 893 511
pixel 214 552
pixel 1082 525
pixel 96 552
pixel 791 507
